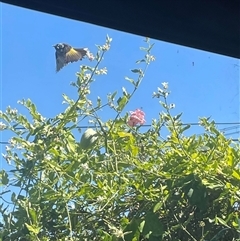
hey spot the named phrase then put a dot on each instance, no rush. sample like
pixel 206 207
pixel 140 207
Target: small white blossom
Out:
pixel 89 54
pixel 89 102
pixel 150 57
pixel 88 76
pixel 165 85
pixel 48 157
pixel 72 205
pixel 19 147
pixel 12 111
pixel 111 104
pixel 12 141
pixel 100 199
pixel 62 149
pixel 91 121
pixel 94 155
pixel 85 166
pixel 21 102
pixel 166 94
pixel 85 90
pixel 171 106
pixel 8 148
pixel 103 70
pixel 106 47
pixel 2 126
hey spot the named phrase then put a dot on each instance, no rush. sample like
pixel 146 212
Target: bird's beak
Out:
pixel 54 45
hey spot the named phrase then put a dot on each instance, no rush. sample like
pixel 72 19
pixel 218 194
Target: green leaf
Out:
pixel 185 128
pixel 153 225
pixel 5 117
pixel 157 206
pixel 177 116
pixel 124 134
pixel 163 104
pixel 122 101
pixel 33 110
pixel 132 228
pixel 51 195
pixel 4 177
pixel 130 80
pixel 33 215
pixel 32 229
pixel 140 61
pixel 236 174
pixel 67 99
pixel 113 95
pixel 125 93
pixel 144 49
pixel 71 145
pixel 136 71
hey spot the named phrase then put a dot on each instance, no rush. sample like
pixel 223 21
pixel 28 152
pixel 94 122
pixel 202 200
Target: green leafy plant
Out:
pixel 116 182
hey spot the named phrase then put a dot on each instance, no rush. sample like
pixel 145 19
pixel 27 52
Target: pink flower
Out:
pixel 136 117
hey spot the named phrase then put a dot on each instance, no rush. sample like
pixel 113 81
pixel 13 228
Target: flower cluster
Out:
pixel 162 92
pixel 89 54
pixel 136 117
pixel 101 71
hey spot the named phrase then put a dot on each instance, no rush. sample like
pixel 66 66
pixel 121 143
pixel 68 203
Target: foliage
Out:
pixel 117 182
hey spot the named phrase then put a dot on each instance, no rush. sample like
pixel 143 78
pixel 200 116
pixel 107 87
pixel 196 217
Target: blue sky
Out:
pixel 209 87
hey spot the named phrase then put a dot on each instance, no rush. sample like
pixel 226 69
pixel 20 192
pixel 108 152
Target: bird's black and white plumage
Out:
pixel 67 54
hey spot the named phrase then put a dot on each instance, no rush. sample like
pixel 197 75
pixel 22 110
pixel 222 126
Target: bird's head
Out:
pixel 59 46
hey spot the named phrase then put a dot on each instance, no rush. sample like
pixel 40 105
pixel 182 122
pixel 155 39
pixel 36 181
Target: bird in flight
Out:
pixel 67 54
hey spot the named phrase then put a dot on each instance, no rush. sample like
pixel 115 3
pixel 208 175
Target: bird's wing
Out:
pixel 60 61
pixel 74 55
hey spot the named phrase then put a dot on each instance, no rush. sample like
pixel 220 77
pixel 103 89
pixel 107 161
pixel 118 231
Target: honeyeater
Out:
pixel 67 54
